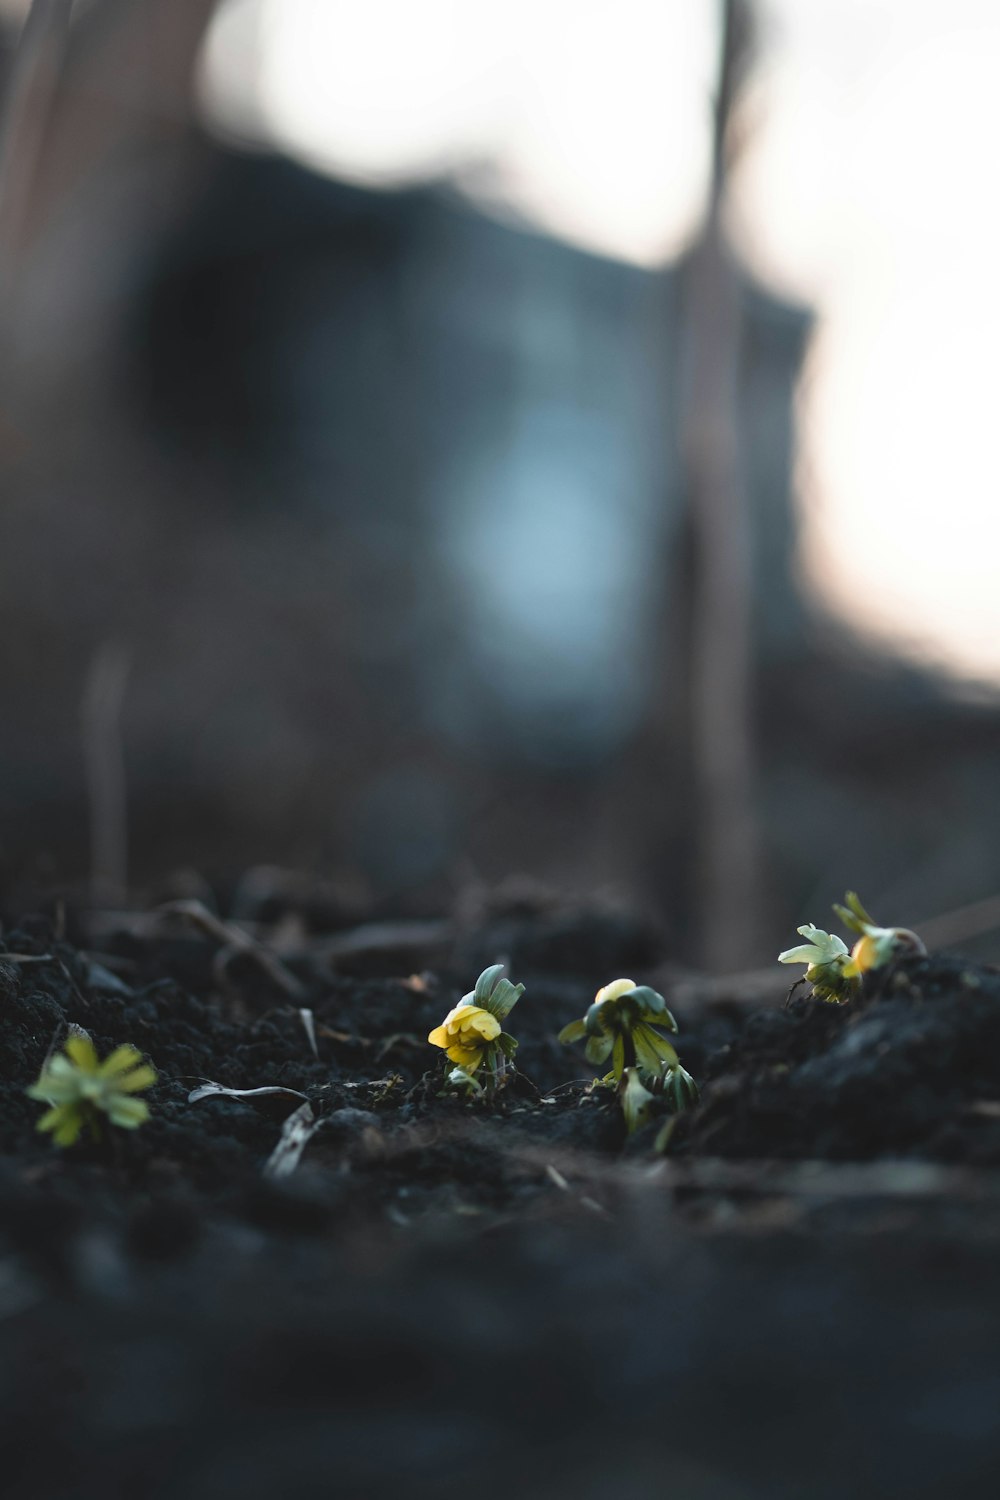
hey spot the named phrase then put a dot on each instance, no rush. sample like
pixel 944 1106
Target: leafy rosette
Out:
pixel 82 1091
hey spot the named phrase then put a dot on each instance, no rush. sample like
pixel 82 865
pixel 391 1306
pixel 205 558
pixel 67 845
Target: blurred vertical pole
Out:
pixel 721 602
pixel 27 106
pixel 104 761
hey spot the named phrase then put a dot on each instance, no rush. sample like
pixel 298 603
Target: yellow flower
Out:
pixel 875 945
pixel 872 950
pixel 465 1033
pixel 79 1088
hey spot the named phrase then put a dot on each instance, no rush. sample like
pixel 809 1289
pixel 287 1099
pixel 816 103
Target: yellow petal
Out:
pixel 468 1058
pixel 864 955
pixel 120 1060
pixel 51 1118
pixel 65 1122
pixel 128 1113
pixel 137 1080
pixel 614 990
pixel 439 1037
pixel 82 1051
pixel 479 1023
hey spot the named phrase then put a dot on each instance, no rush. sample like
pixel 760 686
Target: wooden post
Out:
pixel 721 624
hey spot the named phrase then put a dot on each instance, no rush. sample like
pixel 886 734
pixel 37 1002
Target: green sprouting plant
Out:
pixel 624 1024
pixel 828 964
pixel 834 973
pixel 621 1024
pixel 472 1034
pixel 875 945
pixel 636 1100
pixel 80 1089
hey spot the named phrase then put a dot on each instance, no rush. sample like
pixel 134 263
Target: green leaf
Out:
pixel 486 981
pixel 496 994
pixel 598 1049
pixel 128 1113
pixel 635 1100
pixel 661 1144
pixel 507 1045
pixel 596 1021
pixel 650 1001
pixel 618 1056
pixel 458 1078
pixel 681 1089
pixel 574 1032
pixel 653 1051
pixel 853 915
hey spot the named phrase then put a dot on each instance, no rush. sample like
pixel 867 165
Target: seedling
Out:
pixel 80 1089
pixel 875 945
pixel 834 973
pixel 624 1024
pixel 639 1092
pixel 472 1034
pixel 827 959
pixel 636 1100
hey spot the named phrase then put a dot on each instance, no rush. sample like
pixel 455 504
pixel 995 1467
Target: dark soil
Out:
pixel 456 1297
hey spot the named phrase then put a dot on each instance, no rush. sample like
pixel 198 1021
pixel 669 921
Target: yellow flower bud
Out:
pixel 464 1034
pixel 614 990
pixel 865 954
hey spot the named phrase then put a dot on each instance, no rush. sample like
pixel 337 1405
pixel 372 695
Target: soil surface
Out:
pixel 799 1297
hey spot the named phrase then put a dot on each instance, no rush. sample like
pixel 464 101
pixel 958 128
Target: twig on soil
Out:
pixel 381 939
pixel 234 941
pixel 296 1133
pixel 209 1090
pixel 46 958
pixel 556 1177
pixel 309 1027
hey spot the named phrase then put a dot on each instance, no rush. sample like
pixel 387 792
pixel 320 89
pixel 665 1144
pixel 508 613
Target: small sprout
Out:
pixel 621 1025
pixel 635 1099
pixel 640 1091
pixel 827 959
pixel 834 973
pixel 462 1082
pixel 875 945
pixel 679 1089
pixel 472 1034
pixel 80 1089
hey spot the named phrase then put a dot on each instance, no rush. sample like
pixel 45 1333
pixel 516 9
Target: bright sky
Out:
pixel 867 190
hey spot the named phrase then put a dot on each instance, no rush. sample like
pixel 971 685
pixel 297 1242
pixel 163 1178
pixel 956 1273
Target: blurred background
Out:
pixel 444 443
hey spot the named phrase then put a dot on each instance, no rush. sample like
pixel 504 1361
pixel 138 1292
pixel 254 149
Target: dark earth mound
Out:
pixel 448 1296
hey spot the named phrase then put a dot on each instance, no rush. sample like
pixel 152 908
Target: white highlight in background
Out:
pixel 868 190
